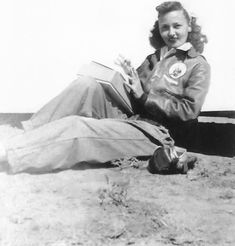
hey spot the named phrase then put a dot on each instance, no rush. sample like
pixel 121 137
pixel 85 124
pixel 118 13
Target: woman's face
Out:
pixel 174 28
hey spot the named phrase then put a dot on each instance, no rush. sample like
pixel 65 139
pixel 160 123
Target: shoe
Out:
pixel 162 160
pixel 170 160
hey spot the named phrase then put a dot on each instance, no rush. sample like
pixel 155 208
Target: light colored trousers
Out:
pixel 81 125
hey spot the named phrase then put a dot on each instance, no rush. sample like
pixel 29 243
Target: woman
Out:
pixel 82 124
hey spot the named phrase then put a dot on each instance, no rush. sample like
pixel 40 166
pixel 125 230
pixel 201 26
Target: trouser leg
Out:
pixel 63 143
pixel 84 97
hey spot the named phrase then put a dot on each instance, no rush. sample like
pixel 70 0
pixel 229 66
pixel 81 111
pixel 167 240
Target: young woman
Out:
pixel 82 124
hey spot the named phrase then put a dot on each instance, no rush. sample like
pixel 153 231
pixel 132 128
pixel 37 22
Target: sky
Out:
pixel 44 43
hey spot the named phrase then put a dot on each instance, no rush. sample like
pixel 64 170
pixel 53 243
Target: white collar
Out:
pixel 185 47
pixel 165 52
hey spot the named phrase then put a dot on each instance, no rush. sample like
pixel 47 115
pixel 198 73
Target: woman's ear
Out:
pixel 189 28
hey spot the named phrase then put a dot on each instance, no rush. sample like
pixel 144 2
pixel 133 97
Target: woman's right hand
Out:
pixel 125 64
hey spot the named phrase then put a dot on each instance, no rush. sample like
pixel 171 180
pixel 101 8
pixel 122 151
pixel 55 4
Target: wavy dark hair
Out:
pixel 195 37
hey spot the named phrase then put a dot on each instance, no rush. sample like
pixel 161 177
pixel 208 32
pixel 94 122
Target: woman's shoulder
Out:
pixel 155 55
pixel 193 53
pixel 150 61
pixel 198 57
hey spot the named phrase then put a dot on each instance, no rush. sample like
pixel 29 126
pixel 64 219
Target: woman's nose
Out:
pixel 171 32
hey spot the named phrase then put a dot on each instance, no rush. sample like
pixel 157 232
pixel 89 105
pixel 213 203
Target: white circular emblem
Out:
pixel 177 70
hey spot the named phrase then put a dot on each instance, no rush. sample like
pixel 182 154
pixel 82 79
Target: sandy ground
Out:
pixel 121 205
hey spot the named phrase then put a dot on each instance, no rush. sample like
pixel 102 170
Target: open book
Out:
pixel 112 82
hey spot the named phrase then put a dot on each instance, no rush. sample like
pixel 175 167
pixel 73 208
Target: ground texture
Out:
pixel 121 205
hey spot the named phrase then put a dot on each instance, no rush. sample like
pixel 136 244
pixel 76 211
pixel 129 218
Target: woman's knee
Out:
pixel 79 125
pixel 84 82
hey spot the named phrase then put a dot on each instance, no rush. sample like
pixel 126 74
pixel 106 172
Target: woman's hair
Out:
pixel 195 37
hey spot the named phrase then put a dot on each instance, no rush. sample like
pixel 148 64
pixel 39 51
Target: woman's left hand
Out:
pixel 134 84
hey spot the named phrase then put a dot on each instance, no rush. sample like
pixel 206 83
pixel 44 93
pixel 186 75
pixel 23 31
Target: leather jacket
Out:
pixel 176 86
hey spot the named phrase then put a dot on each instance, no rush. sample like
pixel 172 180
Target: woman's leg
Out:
pixel 63 143
pixel 84 97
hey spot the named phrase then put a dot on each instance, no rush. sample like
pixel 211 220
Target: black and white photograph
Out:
pixel 117 123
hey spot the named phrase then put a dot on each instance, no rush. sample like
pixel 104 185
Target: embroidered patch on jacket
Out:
pixel 177 70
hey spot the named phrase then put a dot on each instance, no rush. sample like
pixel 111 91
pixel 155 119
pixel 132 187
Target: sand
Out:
pixel 121 205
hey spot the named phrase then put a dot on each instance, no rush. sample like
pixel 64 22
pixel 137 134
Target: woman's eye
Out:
pixel 177 26
pixel 164 28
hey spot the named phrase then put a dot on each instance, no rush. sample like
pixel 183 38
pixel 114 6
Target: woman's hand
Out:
pixel 134 84
pixel 125 64
pixel 133 79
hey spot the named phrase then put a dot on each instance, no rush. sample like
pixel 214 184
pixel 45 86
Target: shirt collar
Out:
pixel 187 47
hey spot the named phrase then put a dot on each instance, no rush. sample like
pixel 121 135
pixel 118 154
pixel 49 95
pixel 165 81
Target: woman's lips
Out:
pixel 172 40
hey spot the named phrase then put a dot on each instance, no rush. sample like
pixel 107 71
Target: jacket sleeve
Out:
pixel 184 107
pixel 146 69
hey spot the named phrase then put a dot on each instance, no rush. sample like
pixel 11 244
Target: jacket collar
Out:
pixel 186 47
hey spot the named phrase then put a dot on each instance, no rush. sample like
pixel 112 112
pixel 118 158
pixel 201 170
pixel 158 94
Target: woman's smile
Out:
pixel 174 28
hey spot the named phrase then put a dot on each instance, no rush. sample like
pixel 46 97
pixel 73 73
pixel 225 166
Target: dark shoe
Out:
pixel 162 160
pixel 170 160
